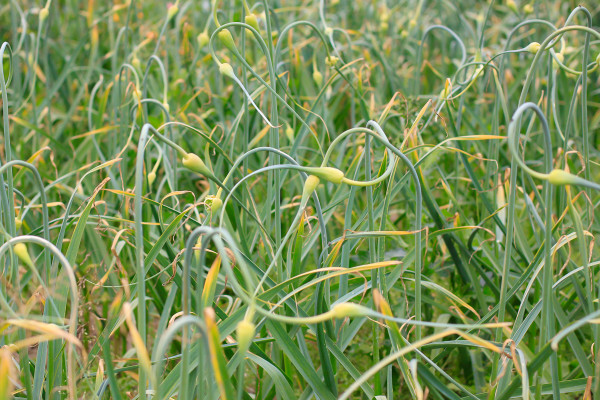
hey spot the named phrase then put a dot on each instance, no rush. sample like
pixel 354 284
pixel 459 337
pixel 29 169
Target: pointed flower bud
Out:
pixel 151 177
pixel 309 187
pixel 203 39
pixel 171 11
pixel 246 331
pixel 135 62
pixel 533 47
pixel 318 77
pixel 329 174
pixel 252 21
pixel 561 177
pixel 20 250
pixel 44 12
pixel 227 40
pixel 289 132
pixel 527 8
pixel 227 70
pixel 194 163
pixel 343 310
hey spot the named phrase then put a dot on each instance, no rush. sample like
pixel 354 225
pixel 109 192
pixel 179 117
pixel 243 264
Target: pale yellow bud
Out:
pixel 246 331
pixel 227 40
pixel 289 132
pixel 171 11
pixel 252 21
pixel 44 14
pixel 318 77
pixel 343 310
pixel 20 250
pixel 309 187
pixel 561 177
pixel 533 47
pixel 203 39
pixel 151 178
pixel 194 163
pixel 226 69
pixel 330 174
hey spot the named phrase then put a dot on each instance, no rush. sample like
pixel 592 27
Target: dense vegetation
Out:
pixel 299 199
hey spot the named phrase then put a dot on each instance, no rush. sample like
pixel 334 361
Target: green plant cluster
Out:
pixel 299 199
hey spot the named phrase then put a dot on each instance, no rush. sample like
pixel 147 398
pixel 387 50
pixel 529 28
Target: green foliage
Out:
pixel 377 199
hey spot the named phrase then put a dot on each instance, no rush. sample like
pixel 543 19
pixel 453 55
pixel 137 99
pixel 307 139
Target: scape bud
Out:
pixel 252 21
pixel 246 331
pixel 318 77
pixel 309 186
pixel 44 14
pixel 329 174
pixel 533 47
pixel 194 163
pixel 171 11
pixel 203 39
pixel 343 310
pixel 20 250
pixel 227 40
pixel 226 69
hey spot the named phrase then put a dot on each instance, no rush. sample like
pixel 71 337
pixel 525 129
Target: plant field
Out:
pixel 288 199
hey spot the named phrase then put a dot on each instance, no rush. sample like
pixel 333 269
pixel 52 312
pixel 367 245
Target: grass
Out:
pixel 296 200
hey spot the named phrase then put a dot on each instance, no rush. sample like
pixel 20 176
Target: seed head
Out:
pixel 331 61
